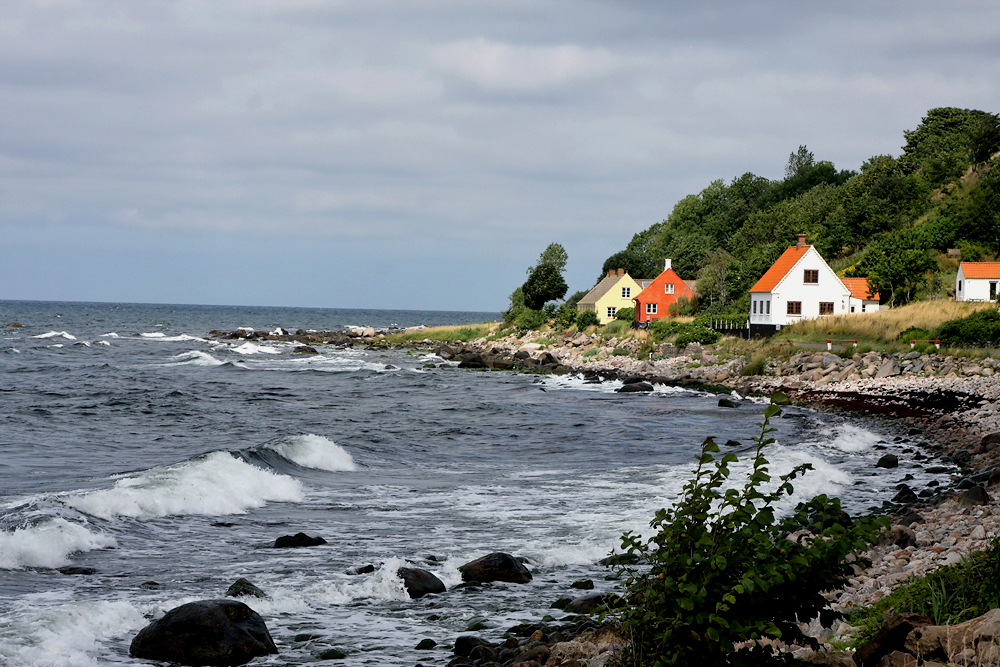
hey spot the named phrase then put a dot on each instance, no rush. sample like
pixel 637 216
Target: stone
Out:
pixel 908 518
pixel 305 349
pixel 888 461
pixel 206 632
pixel 888 369
pixel 495 567
pixel 890 637
pixel 901 536
pixel 635 387
pixel 588 604
pixel 297 540
pixel 242 587
pixel 445 352
pixel 332 654
pixel 977 495
pixel 990 441
pixel 472 360
pixel 583 584
pixel 905 495
pixel 77 570
pixel 426 645
pixel 728 403
pixel 361 569
pixel 465 643
pixel 419 582
pixel 733 443
pixel 15 325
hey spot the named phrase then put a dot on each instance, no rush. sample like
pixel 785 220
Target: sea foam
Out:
pixel 215 484
pixel 194 358
pixel 252 348
pixel 315 451
pixel 48 544
pixel 56 334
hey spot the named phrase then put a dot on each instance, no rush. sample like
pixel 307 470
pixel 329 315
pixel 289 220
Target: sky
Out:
pixel 420 155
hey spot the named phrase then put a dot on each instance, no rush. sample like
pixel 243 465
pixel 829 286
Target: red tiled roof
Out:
pixel 859 289
pixel 981 270
pixel 779 269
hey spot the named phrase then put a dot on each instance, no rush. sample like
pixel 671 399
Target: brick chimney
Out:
pixel 611 273
pixel 666 265
pixel 621 272
pixel 802 241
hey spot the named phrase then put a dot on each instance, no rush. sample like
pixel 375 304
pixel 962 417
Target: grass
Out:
pixel 448 334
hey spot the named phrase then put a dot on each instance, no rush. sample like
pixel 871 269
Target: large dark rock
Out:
pixel 473 360
pixel 76 569
pixel 901 536
pixel 419 582
pixel 977 495
pixel 890 637
pixel 588 604
pixel 445 352
pixel 305 349
pixel 495 567
pixel 888 461
pixel 728 403
pixel 207 632
pixel 465 643
pixel 905 495
pixel 990 441
pixel 634 387
pixel 297 540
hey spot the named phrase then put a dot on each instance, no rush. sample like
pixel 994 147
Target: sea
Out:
pixel 167 461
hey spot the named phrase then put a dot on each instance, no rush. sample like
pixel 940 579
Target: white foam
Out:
pixel 215 484
pixel 56 334
pixel 382 584
pixel 103 342
pixel 854 439
pixel 57 345
pixel 253 348
pixel 82 342
pixel 48 544
pixel 170 339
pixel 110 335
pixel 195 358
pixel 315 451
pixel 72 634
pixel 155 334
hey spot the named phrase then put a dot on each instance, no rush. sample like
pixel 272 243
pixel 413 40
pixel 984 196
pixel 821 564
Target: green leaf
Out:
pixel 778 398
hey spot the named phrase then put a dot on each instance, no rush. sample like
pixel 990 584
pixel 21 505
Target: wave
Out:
pixel 111 334
pixel 170 339
pixel 215 484
pixel 253 348
pixel 195 358
pixel 48 544
pixel 315 451
pixel 56 334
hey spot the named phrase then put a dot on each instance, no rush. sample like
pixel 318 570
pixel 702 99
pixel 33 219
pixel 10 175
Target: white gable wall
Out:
pixel 977 289
pixel 792 288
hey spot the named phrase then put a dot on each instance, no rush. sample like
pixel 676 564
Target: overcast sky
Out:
pixel 422 154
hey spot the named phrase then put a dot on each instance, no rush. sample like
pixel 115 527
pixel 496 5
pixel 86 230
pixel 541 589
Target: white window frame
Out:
pixel 612 311
pixel 651 308
pixel 668 288
pixel 626 292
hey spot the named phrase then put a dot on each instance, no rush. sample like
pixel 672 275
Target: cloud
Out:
pixel 502 67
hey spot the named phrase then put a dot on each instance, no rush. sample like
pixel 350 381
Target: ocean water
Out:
pixel 135 444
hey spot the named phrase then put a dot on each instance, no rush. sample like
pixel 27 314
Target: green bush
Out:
pixel 565 316
pixel 615 327
pixel 627 314
pixel 620 352
pixel 980 329
pixel 756 366
pixel 587 318
pixel 662 328
pixel 527 319
pixel 720 569
pixel 685 332
pixel 913 333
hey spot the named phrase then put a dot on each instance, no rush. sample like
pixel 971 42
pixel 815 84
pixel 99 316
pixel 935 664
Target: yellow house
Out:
pixel 616 290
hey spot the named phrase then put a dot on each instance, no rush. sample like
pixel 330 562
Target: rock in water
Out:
pixel 495 567
pixel 297 540
pixel 243 587
pixel 888 461
pixel 419 582
pixel 728 403
pixel 634 387
pixel 207 632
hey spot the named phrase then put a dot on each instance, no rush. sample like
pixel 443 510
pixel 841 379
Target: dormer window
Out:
pixel 811 277
pixel 668 288
pixel 626 292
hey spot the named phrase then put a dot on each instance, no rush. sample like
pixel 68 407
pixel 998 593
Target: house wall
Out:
pixel 655 292
pixel 977 289
pixel 613 298
pixel 863 306
pixel 793 287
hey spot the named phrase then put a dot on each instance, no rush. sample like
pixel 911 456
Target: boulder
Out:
pixel 888 461
pixel 473 360
pixel 588 604
pixel 305 349
pixel 888 369
pixel 14 324
pixel 634 387
pixel 297 540
pixel 977 495
pixel 728 403
pixel 207 632
pixel 419 582
pixel 990 441
pixel 465 643
pixel 445 352
pixel 495 567
pixel 905 495
pixel 890 637
pixel 901 536
pixel 242 587
pixel 76 569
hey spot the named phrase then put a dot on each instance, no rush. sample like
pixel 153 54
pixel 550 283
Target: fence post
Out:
pixel 829 344
pixel 912 344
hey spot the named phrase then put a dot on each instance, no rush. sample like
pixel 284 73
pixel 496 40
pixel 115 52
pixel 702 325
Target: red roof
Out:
pixel 981 270
pixel 779 269
pixel 859 289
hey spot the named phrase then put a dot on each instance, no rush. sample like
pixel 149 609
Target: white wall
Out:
pixel 793 288
pixel 973 290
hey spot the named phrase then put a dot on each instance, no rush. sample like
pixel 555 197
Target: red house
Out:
pixel 655 300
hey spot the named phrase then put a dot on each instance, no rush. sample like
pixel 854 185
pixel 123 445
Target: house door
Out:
pixel 993 291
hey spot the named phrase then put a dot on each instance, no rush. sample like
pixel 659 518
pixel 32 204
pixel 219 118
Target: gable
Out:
pixel 780 269
pixel 980 270
pixel 655 290
pixel 610 286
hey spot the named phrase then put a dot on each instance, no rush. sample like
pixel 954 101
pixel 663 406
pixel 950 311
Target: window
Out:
pixel 651 308
pixel 611 311
pixel 626 292
pixel 794 307
pixel 852 309
pixel 755 307
pixel 668 288
pixel 863 307
pixel 811 276
pixel 825 308
pixel 959 285
pixel 768 302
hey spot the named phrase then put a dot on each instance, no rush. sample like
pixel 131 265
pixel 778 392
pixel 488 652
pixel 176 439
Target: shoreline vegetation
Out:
pixel 946 401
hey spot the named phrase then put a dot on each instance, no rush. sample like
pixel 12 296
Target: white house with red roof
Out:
pixel 977 281
pixel 800 285
pixel 863 300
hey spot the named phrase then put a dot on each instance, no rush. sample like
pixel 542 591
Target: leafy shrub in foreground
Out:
pixel 719 569
pixel 587 318
pixel 685 332
pixel 627 314
pixel 981 328
pixel 528 319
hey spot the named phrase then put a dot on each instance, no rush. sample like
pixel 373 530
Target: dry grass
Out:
pixel 885 325
pixel 452 333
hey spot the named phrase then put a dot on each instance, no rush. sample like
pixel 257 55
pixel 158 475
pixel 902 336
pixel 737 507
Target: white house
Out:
pixel 977 281
pixel 800 285
pixel 863 300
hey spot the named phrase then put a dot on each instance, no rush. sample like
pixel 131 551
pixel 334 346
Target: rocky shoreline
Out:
pixel 952 403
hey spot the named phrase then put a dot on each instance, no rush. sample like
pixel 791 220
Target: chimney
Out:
pixel 666 265
pixel 611 273
pixel 621 272
pixel 802 241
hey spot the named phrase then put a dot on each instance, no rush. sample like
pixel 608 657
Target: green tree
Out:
pixel 713 279
pixel 554 256
pixel 895 265
pixel 984 140
pixel 545 283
